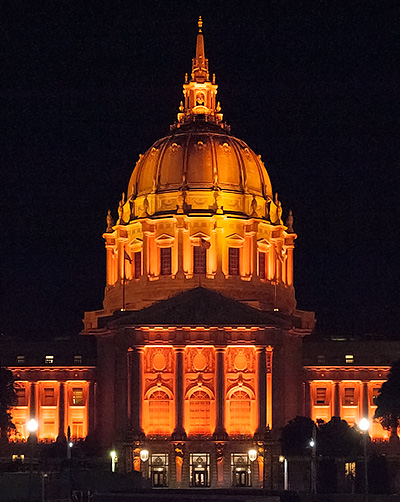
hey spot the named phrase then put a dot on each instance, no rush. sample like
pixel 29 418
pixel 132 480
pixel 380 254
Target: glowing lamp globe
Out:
pixel 364 424
pixel 252 455
pixel 32 425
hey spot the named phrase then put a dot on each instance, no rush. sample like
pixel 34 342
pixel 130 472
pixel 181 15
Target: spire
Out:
pixel 200 93
pixel 200 63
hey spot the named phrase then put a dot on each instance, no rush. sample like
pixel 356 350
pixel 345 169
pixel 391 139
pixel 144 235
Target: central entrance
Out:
pixel 200 469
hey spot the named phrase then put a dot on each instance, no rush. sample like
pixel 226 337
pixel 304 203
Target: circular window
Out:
pixel 240 362
pixel 199 361
pixel 159 362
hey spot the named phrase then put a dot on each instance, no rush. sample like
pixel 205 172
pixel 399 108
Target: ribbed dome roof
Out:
pixel 199 157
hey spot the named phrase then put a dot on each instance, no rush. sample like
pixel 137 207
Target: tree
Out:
pixel 388 402
pixel 337 439
pixel 8 398
pixel 296 436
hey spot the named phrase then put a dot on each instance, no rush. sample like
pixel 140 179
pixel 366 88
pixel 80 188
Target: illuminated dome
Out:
pixel 200 156
pixel 199 211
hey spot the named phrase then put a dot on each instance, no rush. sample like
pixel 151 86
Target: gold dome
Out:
pixel 200 157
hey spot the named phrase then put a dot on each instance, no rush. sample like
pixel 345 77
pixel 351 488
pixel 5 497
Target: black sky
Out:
pixel 311 86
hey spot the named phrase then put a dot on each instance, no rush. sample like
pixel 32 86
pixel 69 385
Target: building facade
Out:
pixel 200 356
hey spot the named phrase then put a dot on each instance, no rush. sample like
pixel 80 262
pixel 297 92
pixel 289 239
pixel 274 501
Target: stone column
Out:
pixel 307 399
pixel 91 408
pixel 179 432
pixel 289 266
pixel 262 391
pixel 136 391
pixel 220 432
pixel 336 401
pixel 61 414
pixel 33 409
pixel 365 404
pixel 179 231
pixel 32 401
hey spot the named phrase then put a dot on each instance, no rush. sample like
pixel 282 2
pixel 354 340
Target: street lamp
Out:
pixel 114 459
pixel 313 445
pixel 144 457
pixel 284 461
pixel 32 427
pixel 252 454
pixel 364 426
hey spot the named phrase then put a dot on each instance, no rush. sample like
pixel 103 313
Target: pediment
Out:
pixel 198 307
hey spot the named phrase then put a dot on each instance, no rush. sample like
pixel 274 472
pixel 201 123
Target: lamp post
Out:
pixel 144 457
pixel 252 454
pixel 32 426
pixel 284 461
pixel 114 459
pixel 364 426
pixel 313 445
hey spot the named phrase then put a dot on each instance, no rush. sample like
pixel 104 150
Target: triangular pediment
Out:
pixel 198 307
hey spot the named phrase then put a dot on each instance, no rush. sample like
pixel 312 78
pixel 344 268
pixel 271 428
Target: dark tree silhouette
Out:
pixel 8 398
pixel 337 439
pixel 296 436
pixel 388 402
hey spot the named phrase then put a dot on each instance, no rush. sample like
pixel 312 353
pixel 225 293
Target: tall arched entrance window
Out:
pixel 159 412
pixel 240 413
pixel 200 413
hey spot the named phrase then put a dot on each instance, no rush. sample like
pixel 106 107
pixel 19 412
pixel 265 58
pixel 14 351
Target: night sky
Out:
pixel 88 86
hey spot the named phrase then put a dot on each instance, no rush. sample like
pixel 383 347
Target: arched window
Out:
pixel 159 413
pixel 240 413
pixel 200 413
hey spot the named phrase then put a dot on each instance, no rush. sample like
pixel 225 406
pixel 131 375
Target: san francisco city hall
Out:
pixel 199 346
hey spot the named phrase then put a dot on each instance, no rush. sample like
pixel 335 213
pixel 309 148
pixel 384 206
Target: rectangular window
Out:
pixel 349 396
pixel 320 395
pixel 199 260
pixel 137 257
pixel 77 396
pixel 21 396
pixel 349 358
pixel 48 398
pixel 261 265
pixel 233 265
pixel 49 359
pixel 165 261
pixel 21 359
pixel 78 359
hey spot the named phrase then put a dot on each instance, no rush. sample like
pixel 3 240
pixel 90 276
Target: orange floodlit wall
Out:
pixel 199 385
pixel 158 410
pixel 241 405
pixel 200 373
pixel 43 401
pixel 349 399
pixel 77 409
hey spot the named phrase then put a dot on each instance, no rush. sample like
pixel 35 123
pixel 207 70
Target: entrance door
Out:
pixel 200 477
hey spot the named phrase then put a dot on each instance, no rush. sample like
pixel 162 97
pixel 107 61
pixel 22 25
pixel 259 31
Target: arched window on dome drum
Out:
pixel 200 413
pixel 233 261
pixel 199 260
pixel 165 261
pixel 159 413
pixel 240 413
pixel 261 265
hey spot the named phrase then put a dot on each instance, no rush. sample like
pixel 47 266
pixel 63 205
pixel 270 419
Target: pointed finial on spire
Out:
pixel 200 24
